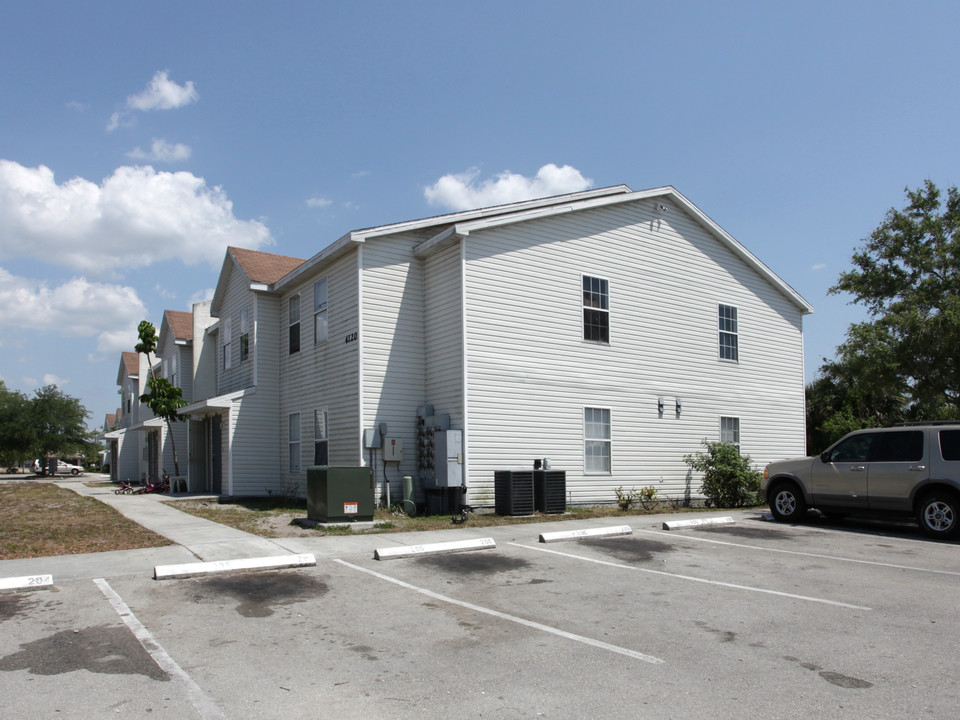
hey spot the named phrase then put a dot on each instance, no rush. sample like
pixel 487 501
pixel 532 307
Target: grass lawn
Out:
pixel 41 519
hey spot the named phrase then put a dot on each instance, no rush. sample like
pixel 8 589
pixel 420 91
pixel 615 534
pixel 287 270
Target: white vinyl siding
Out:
pixel 530 378
pixel 325 375
pixel 394 338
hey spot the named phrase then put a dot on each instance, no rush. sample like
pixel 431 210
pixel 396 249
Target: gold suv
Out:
pixel 911 469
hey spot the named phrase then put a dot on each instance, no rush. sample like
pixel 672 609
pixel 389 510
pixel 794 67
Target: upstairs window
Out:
pixel 320 311
pixel 596 310
pixel 729 335
pixel 294 324
pixel 244 334
pixel 227 344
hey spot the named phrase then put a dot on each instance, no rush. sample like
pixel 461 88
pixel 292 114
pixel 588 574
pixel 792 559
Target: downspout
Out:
pixel 464 368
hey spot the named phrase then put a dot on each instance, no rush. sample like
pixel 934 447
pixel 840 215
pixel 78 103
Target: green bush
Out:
pixel 729 480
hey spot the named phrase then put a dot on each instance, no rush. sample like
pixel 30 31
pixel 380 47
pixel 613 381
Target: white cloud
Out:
pixel 162 151
pixel 461 191
pixel 76 309
pixel 318 202
pixel 163 94
pixel 51 379
pixel 135 217
pixel 819 266
pixel 200 296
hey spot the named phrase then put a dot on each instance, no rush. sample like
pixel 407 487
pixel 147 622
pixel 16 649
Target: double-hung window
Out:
pixel 596 440
pixel 227 344
pixel 294 324
pixel 730 431
pixel 294 441
pixel 244 334
pixel 596 309
pixel 729 333
pixel 320 311
pixel 321 437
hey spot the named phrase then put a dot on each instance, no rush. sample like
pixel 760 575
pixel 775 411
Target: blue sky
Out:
pixel 138 140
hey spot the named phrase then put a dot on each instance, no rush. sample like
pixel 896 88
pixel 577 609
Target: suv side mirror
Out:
pixel 825 456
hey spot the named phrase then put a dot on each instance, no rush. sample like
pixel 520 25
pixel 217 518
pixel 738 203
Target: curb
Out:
pixel 166 572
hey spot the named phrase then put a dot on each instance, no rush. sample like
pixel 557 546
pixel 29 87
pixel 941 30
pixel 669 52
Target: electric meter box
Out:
pixel 392 450
pixel 339 494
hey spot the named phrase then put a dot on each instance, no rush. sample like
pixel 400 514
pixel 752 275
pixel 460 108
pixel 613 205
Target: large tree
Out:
pixel 59 422
pixel 902 363
pixel 17 433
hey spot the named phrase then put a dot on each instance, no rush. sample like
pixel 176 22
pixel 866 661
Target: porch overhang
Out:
pixel 214 405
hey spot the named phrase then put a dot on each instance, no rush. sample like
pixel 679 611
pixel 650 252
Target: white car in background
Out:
pixel 63 468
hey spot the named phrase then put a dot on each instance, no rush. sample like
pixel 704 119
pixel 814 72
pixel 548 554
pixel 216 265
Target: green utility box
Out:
pixel 339 494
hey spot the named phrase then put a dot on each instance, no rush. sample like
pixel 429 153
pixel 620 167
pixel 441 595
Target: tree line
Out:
pixel 902 363
pixel 50 423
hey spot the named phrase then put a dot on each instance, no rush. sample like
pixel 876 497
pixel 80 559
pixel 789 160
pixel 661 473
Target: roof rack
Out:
pixel 922 423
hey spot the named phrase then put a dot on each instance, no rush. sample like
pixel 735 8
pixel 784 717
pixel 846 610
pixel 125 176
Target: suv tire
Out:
pixel 786 502
pixel 939 514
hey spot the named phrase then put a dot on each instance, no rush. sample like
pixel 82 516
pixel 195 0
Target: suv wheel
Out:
pixel 787 503
pixel 938 515
pixel 74 472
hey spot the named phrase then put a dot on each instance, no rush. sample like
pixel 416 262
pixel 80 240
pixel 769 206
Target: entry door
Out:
pixel 216 454
pixel 153 454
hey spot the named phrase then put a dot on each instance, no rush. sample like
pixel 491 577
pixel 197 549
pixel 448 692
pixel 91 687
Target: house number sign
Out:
pixel 352 337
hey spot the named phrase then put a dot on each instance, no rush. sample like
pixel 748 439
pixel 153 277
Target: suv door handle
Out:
pixel 917 468
pixel 858 468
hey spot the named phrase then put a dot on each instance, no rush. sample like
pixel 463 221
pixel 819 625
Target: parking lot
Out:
pixel 752 619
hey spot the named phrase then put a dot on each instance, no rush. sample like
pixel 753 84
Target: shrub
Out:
pixel 729 480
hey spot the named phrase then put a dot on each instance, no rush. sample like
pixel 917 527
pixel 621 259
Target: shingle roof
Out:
pixel 131 362
pixel 264 267
pixel 181 324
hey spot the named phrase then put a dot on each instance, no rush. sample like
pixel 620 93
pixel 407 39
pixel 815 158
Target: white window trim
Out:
pixel 739 429
pixel 245 331
pixel 721 333
pixel 608 440
pixel 326 435
pixel 227 344
pixel 322 310
pixel 298 443
pixel 294 302
pixel 584 307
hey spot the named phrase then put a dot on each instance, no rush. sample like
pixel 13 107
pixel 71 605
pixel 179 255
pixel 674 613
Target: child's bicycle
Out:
pixel 124 489
pixel 156 484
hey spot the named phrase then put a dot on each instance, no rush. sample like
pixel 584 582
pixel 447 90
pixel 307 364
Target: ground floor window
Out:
pixel 294 422
pixel 730 431
pixel 596 440
pixel 320 437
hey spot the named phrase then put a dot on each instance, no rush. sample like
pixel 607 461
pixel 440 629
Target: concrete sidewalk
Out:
pixel 198 540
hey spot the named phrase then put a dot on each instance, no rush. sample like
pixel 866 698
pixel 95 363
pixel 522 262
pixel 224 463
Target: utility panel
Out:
pixel 392 450
pixel 448 446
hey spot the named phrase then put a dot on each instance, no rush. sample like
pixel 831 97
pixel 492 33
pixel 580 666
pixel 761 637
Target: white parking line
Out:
pixel 690 578
pixel 803 554
pixel 204 705
pixel 512 618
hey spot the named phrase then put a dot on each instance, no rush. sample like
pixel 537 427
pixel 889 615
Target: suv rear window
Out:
pixel 950 444
pixel 904 446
